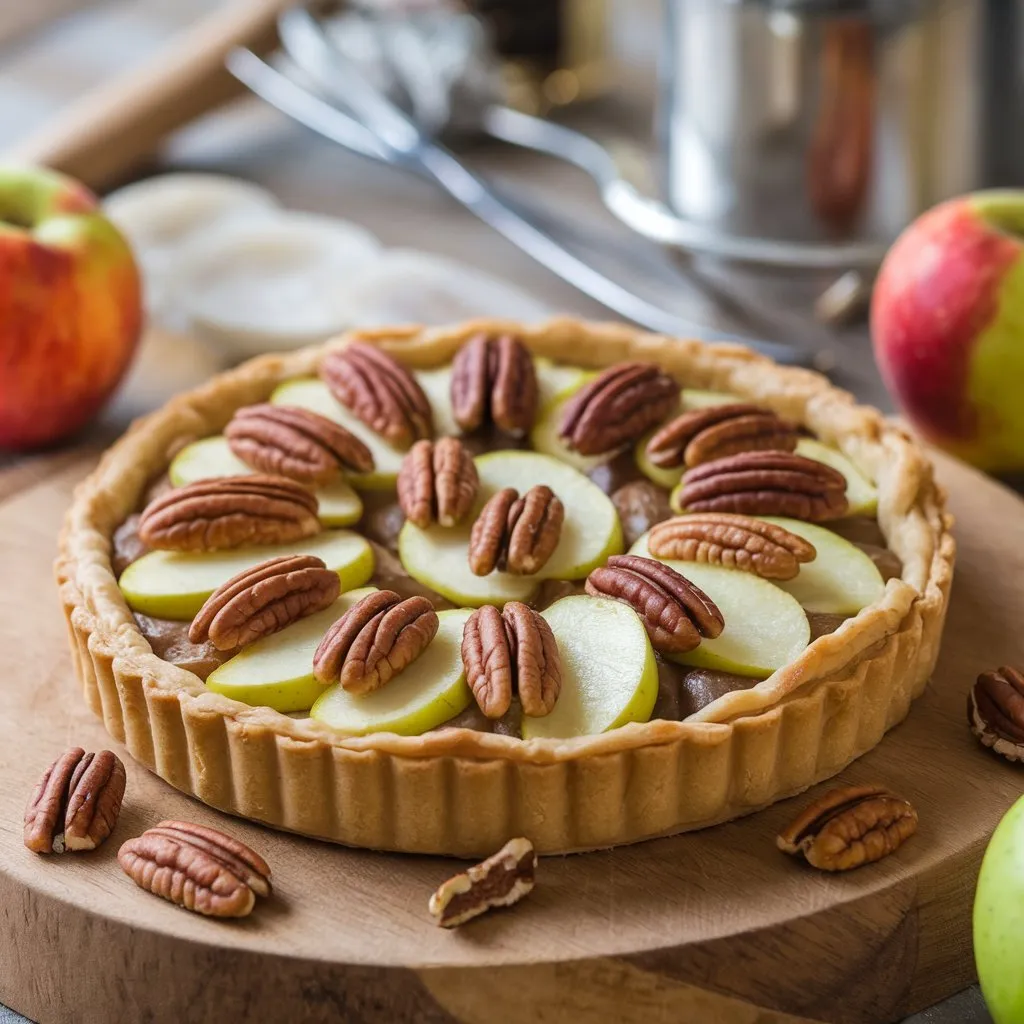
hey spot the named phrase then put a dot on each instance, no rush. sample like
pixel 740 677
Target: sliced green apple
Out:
pixel 212 457
pixel 609 673
pixel 544 439
pixel 437 386
pixel 174 584
pixel 667 478
pixel 421 697
pixel 860 492
pixel 556 380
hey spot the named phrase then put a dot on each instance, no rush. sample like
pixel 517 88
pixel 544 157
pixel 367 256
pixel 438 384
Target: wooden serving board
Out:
pixel 714 927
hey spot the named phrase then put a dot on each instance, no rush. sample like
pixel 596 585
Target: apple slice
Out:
pixel 556 380
pixel 277 671
pixel 544 438
pixel 174 584
pixel 437 386
pixel 609 673
pixel 213 457
pixel 421 697
pixel 860 492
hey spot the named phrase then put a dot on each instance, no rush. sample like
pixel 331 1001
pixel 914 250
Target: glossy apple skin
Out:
pixel 947 322
pixel 70 307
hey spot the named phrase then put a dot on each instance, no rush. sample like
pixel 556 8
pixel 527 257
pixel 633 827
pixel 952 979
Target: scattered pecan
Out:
pixel 511 651
pixel 995 711
pixel 264 599
pixel 703 435
pixel 675 613
pixel 501 880
pixel 617 407
pixel 437 482
pixel 766 484
pixel 199 868
pixel 516 534
pixel 229 512
pixel 848 827
pixel 737 542
pixel 494 380
pixel 295 443
pixel 380 391
pixel 76 803
pixel 374 640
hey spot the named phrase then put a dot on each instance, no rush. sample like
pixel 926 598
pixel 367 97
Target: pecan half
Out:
pixel 511 651
pixel 494 380
pixel 437 482
pixel 703 435
pixel 264 599
pixel 76 804
pixel 380 391
pixel 848 827
pixel 199 868
pixel 766 484
pixel 617 407
pixel 501 880
pixel 516 534
pixel 675 613
pixel 737 542
pixel 374 640
pixel 229 512
pixel 995 711
pixel 295 443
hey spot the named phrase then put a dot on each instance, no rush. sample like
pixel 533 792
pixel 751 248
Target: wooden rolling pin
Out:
pixel 102 136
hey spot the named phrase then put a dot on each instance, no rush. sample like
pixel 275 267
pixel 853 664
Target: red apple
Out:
pixel 947 320
pixel 70 307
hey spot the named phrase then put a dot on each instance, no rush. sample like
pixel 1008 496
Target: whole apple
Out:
pixel 947 321
pixel 70 307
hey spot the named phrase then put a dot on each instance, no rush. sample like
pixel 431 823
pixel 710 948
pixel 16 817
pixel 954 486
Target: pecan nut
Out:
pixel 703 435
pixel 848 827
pixel 296 443
pixel 501 880
pixel 617 407
pixel 736 542
pixel 374 640
pixel 494 381
pixel 437 482
pixel 380 391
pixel 516 534
pixel 766 484
pixel 995 711
pixel 229 512
pixel 264 599
pixel 675 613
pixel 508 652
pixel 76 804
pixel 199 868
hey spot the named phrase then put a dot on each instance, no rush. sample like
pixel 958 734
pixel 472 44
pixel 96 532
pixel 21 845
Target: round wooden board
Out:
pixel 715 926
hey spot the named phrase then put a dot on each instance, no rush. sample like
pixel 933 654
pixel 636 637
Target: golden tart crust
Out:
pixel 462 792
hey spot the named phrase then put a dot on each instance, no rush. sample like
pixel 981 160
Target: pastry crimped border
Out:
pixel 463 792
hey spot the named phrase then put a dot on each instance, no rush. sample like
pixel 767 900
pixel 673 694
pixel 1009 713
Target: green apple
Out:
pixel 213 457
pixel 609 673
pixel 544 438
pixel 437 386
pixel 860 492
pixel 175 584
pixel 421 697
pixel 555 380
pixel 277 671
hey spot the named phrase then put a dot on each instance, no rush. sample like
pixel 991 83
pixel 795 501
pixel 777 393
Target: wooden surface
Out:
pixel 713 927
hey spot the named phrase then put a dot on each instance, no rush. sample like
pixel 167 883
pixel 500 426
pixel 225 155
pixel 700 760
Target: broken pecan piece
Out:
pixel 995 711
pixel 617 407
pixel 511 651
pixel 703 435
pixel 494 380
pixel 501 880
pixel 199 868
pixel 296 443
pixel 380 391
pixel 264 599
pixel 374 640
pixel 675 613
pixel 766 484
pixel 848 827
pixel 76 804
pixel 516 534
pixel 736 542
pixel 229 512
pixel 437 482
